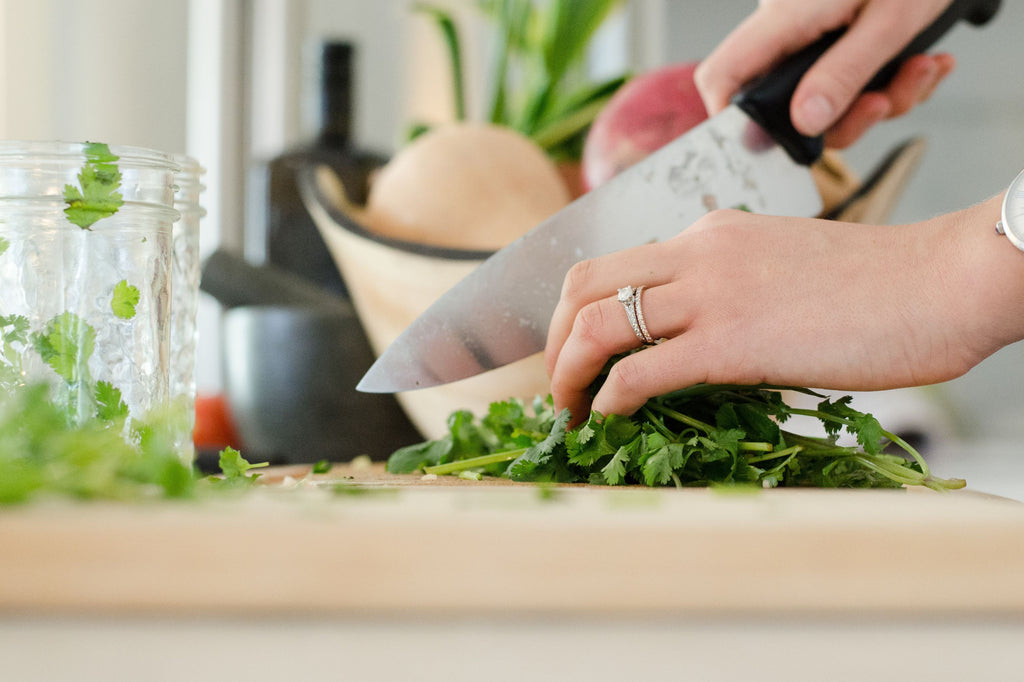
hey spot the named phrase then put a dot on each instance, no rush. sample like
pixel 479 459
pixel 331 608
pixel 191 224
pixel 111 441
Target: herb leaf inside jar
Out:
pixel 98 195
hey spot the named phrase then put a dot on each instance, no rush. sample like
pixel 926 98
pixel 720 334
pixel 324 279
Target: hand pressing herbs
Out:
pixel 699 436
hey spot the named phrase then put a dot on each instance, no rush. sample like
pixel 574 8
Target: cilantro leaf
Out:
pixel 97 195
pixel 235 467
pixel 415 457
pixel 66 344
pixel 13 339
pixel 614 472
pixel 527 464
pixel 124 300
pixel 109 402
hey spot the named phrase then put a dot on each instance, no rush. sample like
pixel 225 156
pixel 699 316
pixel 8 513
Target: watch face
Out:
pixel 1013 212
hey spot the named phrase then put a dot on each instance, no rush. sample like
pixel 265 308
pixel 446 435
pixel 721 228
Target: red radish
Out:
pixel 646 113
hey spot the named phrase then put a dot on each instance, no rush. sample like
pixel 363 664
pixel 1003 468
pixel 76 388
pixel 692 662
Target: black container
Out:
pixel 293 242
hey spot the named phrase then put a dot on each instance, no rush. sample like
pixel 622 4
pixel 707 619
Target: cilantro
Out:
pixel 124 300
pixel 66 344
pixel 4 245
pixel 321 467
pixel 97 195
pixel 109 402
pixel 702 435
pixel 235 468
pixel 43 453
pixel 14 331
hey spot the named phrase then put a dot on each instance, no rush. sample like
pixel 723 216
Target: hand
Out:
pixel 829 99
pixel 748 299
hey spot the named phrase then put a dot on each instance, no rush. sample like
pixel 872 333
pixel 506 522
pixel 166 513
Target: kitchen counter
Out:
pixel 404 578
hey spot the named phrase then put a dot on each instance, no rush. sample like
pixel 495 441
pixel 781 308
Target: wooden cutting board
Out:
pixel 404 545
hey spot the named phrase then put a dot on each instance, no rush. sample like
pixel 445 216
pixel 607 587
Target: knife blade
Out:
pixel 748 156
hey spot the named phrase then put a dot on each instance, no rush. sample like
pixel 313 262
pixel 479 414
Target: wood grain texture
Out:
pixel 408 546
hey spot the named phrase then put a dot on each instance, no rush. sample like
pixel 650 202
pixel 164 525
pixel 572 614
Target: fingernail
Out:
pixel 814 115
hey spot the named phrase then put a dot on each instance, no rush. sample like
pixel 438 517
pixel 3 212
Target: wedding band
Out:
pixel 645 335
pixel 630 300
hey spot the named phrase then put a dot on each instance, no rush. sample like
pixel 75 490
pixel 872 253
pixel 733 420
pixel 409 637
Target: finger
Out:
pixel 760 41
pixel 836 80
pixel 946 64
pixel 914 83
pixel 598 278
pixel 600 331
pixel 914 78
pixel 654 371
pixel 868 110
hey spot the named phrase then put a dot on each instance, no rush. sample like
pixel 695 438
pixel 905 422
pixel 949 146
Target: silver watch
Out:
pixel 1012 223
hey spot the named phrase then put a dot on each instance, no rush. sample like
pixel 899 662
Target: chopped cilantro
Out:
pixel 109 402
pixel 124 300
pixel 65 344
pixel 97 195
pixel 235 468
pixel 700 436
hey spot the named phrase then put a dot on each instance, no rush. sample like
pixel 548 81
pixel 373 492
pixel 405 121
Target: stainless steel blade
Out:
pixel 500 312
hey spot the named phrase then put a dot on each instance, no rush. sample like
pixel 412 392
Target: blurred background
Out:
pixel 234 84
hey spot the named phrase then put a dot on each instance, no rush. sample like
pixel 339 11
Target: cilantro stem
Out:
pixel 786 452
pixel 682 418
pixel 474 462
pixel 747 445
pixel 899 474
pixel 905 446
pixel 908 448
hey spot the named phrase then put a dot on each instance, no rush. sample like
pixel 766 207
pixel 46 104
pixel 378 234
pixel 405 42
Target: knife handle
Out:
pixel 767 99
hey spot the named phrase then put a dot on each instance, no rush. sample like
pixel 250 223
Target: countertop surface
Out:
pixel 359 575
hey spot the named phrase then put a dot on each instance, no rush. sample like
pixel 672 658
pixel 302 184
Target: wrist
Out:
pixel 991 272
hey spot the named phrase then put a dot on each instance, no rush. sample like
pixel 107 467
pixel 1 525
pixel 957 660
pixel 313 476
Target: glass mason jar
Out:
pixel 85 276
pixel 185 275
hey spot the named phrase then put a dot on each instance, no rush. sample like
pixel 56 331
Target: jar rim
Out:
pixel 17 150
pixel 50 205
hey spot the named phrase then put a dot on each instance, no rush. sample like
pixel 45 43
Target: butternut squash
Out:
pixel 466 186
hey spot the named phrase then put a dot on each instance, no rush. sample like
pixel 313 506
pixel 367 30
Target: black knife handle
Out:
pixel 767 99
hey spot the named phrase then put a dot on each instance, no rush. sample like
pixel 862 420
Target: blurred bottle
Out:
pixel 293 242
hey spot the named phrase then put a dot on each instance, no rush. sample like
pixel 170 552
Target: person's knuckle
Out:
pixel 626 379
pixel 576 280
pixel 589 325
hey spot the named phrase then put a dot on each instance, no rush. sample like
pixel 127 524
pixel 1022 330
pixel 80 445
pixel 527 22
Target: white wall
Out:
pixel 94 70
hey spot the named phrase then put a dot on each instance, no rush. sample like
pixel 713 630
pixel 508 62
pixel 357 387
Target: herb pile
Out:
pixel 699 436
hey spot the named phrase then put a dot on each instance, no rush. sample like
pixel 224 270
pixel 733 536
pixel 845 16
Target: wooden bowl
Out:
pixel 391 283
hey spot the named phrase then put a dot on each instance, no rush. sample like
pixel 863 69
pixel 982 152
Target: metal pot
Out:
pixel 290 374
pixel 292 355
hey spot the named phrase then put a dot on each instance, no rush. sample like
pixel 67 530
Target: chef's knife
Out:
pixel 748 156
